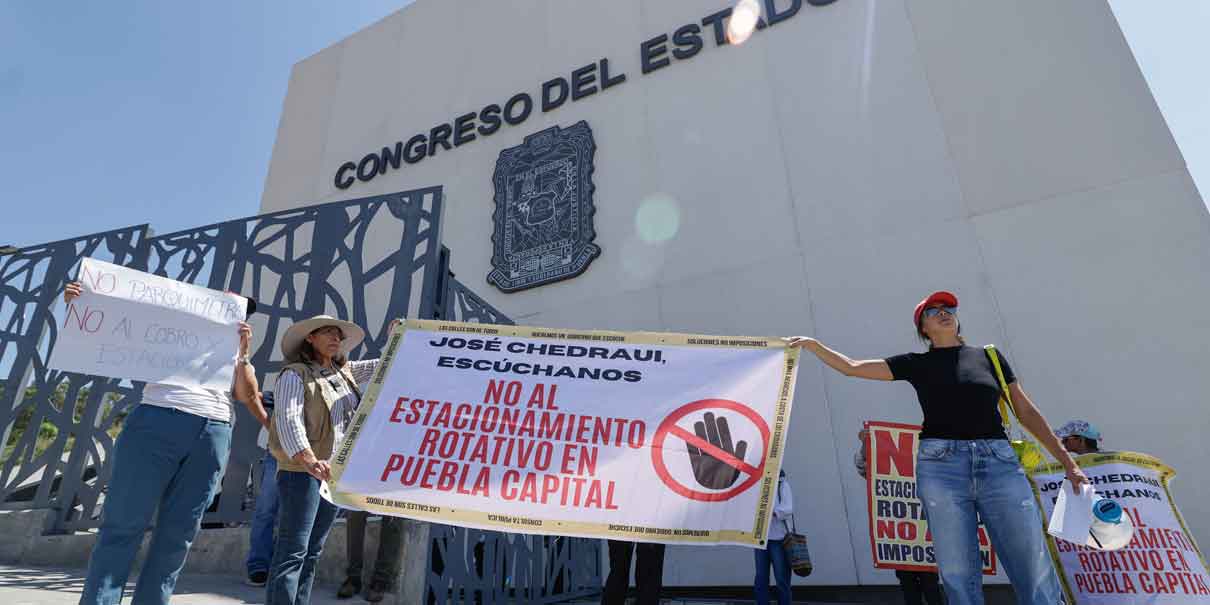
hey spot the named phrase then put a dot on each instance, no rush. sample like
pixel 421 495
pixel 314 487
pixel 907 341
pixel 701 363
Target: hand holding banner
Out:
pixel 135 325
pixel 1072 515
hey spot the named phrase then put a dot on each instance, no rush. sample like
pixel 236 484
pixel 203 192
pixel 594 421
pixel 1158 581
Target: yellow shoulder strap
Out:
pixel 1006 402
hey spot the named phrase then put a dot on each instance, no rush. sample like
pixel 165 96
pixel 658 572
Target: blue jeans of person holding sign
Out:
pixel 264 520
pixel 963 481
pixel 773 554
pixel 164 459
pixel 304 519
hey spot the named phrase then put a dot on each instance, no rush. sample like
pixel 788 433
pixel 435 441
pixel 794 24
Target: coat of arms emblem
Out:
pixel 543 219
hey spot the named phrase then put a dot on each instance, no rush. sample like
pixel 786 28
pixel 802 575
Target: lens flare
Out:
pixel 642 263
pixel 743 21
pixel 658 219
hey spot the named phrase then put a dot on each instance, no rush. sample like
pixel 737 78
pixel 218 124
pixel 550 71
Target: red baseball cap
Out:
pixel 941 296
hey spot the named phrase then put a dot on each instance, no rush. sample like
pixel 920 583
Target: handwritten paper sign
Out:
pixel 135 325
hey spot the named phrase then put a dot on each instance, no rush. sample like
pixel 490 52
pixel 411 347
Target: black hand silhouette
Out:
pixel 709 471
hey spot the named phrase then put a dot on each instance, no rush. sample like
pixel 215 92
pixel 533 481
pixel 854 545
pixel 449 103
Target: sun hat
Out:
pixel 940 296
pixel 1078 428
pixel 294 337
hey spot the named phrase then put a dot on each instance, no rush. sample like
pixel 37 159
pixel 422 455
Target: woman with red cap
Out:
pixel 966 469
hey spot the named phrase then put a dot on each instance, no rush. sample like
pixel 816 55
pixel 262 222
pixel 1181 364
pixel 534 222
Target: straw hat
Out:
pixel 294 337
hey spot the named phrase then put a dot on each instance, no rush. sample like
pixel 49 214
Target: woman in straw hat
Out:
pixel 965 463
pixel 316 396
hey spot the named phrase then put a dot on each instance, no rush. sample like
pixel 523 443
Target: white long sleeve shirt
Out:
pixel 288 407
pixel 783 509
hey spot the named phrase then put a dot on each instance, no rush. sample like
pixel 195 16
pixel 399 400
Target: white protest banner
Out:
pixel 135 325
pixel 638 436
pixel 1161 564
pixel 899 534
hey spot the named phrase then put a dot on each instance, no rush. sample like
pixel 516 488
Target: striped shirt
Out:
pixel 288 408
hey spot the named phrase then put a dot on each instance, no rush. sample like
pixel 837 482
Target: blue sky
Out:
pixel 117 113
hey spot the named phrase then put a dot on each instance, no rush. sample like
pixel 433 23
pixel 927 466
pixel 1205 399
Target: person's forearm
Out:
pixel 256 408
pixel 247 390
pixel 305 457
pixel 1031 418
pixel 833 359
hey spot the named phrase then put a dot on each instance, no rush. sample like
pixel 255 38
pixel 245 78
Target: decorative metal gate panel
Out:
pixel 62 413
pixel 470 566
pixel 385 248
pixel 459 303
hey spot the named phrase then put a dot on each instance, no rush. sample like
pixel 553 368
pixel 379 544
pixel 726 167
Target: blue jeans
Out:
pixel 303 521
pixel 775 554
pixel 957 479
pixel 165 459
pixel 260 536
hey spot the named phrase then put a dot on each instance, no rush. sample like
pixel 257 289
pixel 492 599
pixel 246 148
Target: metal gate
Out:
pixel 386 247
pixel 471 566
pixel 63 425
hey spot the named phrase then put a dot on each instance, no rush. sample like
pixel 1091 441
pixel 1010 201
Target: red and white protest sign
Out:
pixel 650 437
pixel 1161 565
pixel 701 447
pixel 899 536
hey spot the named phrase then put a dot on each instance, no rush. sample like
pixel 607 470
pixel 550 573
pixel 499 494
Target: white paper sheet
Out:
pixel 1072 516
pixel 135 325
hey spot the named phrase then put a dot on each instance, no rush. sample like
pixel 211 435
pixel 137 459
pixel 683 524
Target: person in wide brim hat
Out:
pixel 315 399
pixel 292 341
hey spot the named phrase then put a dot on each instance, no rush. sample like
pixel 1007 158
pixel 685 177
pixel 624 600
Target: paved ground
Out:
pixel 38 586
pixel 29 586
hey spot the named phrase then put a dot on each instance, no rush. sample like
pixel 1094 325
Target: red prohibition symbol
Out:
pixel 669 427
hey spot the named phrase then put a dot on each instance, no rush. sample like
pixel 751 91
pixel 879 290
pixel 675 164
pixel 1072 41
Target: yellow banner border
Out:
pixel 519 524
pixel 1146 461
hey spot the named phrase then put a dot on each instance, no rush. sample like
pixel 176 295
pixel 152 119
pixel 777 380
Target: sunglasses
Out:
pixel 935 311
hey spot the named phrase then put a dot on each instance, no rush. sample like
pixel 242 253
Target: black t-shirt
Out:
pixel 957 389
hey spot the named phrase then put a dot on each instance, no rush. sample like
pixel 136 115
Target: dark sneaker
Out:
pixel 257 578
pixel 376 593
pixel 351 587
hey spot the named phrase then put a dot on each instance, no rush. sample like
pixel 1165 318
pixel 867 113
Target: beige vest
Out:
pixel 318 399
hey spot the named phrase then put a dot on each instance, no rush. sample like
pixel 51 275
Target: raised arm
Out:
pixel 1031 418
pixel 363 370
pixel 870 369
pixel 247 388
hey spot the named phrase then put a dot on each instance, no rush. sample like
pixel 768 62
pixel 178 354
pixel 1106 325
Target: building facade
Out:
pixel 819 178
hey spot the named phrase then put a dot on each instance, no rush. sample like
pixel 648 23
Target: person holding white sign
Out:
pixel 315 398
pixel 966 468
pixel 170 457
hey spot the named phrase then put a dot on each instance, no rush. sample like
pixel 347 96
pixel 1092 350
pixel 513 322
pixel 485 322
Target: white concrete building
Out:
pixel 818 179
